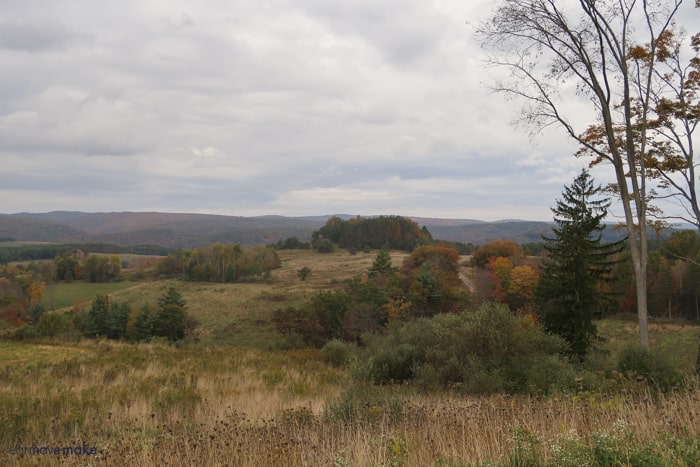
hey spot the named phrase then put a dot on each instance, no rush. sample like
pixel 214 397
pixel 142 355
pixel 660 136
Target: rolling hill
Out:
pixel 185 230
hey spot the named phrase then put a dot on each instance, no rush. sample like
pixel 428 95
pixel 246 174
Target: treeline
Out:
pixel 31 252
pixel 291 243
pixel 20 293
pixel 77 265
pixel 392 232
pixel 168 319
pixel 220 263
pixel 506 273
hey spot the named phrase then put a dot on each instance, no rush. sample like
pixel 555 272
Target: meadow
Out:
pixel 240 397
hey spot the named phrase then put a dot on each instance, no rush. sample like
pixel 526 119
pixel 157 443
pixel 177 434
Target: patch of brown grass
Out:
pixel 209 405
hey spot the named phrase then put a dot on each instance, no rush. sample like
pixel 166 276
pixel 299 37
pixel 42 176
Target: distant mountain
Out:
pixel 484 232
pixel 182 230
pixel 154 228
pixel 434 222
pixel 36 229
pixel 62 217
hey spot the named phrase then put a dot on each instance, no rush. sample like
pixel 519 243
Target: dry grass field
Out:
pixel 234 398
pixel 216 405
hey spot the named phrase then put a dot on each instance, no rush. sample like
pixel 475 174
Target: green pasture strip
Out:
pixel 62 295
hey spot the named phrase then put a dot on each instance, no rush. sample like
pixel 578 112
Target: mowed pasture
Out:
pixel 237 398
pixel 79 294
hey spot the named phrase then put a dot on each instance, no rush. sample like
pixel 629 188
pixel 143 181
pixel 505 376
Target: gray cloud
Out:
pixel 280 107
pixel 27 37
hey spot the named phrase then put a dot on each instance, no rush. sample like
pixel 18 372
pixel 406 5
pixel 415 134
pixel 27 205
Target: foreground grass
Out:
pixel 215 405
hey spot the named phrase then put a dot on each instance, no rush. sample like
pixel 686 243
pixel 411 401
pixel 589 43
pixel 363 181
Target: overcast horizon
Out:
pixel 281 107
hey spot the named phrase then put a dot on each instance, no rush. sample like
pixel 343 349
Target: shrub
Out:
pixel 337 353
pixel 298 323
pixel 50 325
pixel 303 273
pixel 53 325
pixel 361 402
pixel 34 312
pixel 490 350
pixel 324 246
pixel 651 366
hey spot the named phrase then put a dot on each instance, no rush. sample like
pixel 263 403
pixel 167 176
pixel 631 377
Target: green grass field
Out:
pixel 63 295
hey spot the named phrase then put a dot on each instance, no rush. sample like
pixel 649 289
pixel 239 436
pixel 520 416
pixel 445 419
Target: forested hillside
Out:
pixel 195 230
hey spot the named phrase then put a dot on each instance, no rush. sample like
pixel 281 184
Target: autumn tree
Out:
pixel 100 268
pixel 578 260
pixel 520 294
pixel 12 306
pixel 220 263
pixel 550 48
pixel 67 267
pixel 495 249
pixel 674 113
pixel 499 269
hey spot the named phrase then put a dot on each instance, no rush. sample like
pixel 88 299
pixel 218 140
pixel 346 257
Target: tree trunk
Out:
pixel 697 361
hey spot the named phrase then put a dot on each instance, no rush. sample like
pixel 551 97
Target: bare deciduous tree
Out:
pixel 553 48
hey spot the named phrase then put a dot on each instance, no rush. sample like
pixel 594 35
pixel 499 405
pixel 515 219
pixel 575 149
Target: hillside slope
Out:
pixel 184 230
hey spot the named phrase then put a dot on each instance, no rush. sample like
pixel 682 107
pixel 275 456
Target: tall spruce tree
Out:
pixel 578 261
pixel 381 264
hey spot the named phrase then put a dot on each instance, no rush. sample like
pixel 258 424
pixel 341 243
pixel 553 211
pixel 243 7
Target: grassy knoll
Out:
pixel 240 314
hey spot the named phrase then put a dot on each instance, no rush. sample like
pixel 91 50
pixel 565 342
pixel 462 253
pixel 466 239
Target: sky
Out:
pixel 254 107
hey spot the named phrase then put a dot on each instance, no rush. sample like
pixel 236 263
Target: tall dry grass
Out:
pixel 161 405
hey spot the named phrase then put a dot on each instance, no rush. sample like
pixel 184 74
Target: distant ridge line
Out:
pixel 191 230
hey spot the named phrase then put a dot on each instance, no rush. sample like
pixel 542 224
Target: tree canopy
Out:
pixel 391 232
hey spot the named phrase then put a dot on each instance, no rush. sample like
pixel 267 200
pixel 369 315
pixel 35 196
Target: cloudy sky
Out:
pixel 253 107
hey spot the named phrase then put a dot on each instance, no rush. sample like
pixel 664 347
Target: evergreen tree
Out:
pixel 117 319
pixel 170 322
pixel 143 325
pixel 381 264
pixel 578 260
pixel 171 319
pixel 98 316
pixel 172 296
